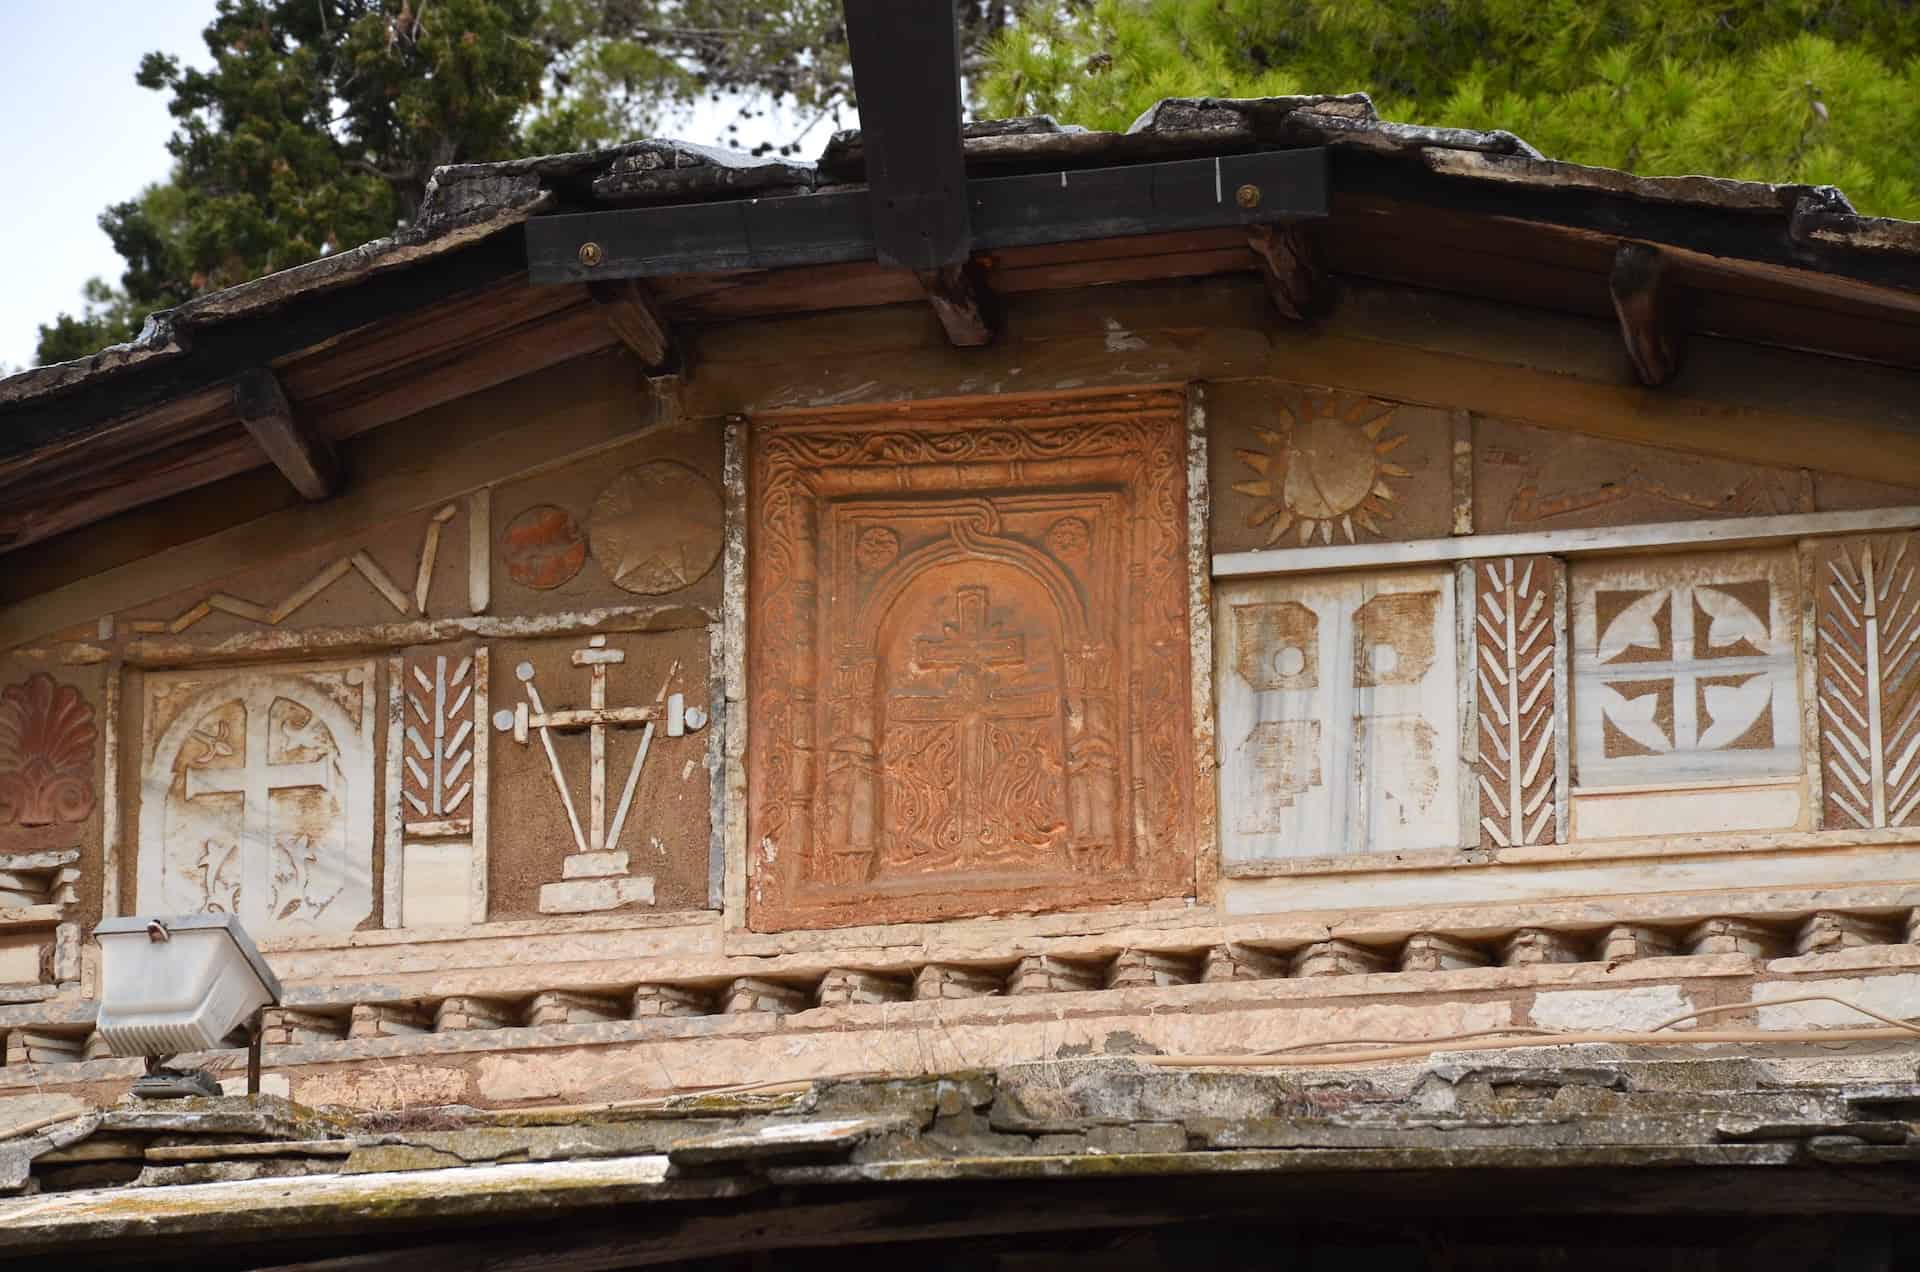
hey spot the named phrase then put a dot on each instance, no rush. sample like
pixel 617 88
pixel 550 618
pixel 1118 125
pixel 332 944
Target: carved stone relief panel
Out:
pixel 1686 683
pixel 1517 605
pixel 1294 465
pixel 969 670
pixel 1339 715
pixel 438 688
pixel 1867 633
pixel 599 787
pixel 256 795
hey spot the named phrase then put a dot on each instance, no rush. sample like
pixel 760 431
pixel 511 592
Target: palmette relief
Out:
pixel 47 742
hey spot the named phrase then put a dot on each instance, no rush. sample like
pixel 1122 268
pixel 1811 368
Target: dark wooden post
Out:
pixel 906 74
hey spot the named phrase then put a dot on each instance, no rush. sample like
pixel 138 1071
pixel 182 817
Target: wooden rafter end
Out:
pixel 630 311
pixel 1643 301
pixel 1293 269
pixel 963 301
pixel 305 457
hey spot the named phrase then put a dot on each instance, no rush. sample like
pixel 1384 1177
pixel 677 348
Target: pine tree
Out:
pixel 319 121
pixel 1815 91
pixel 316 127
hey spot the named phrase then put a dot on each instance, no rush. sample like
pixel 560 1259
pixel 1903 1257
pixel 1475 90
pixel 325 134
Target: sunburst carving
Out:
pixel 1325 468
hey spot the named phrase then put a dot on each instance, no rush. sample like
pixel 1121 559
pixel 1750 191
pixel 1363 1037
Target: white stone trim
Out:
pixel 1742 531
pixel 1206 799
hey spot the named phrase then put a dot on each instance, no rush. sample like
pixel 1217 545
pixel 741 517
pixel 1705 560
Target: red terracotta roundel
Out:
pixel 543 547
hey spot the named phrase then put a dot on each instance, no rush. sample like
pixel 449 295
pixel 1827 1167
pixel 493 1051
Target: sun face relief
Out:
pixel 1324 469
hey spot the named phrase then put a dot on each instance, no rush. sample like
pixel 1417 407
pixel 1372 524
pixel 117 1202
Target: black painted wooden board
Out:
pixel 906 74
pixel 819 229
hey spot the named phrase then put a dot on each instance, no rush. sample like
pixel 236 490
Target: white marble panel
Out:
pixel 1339 715
pixel 256 796
pixel 1686 671
pixel 437 884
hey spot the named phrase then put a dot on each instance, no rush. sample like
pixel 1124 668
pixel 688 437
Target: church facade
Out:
pixel 1404 617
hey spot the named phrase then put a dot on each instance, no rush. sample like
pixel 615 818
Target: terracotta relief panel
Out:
pixel 1528 478
pixel 599 784
pixel 1686 678
pixel 1339 715
pixel 1516 643
pixel 256 795
pixel 1294 466
pixel 1867 633
pixel 48 741
pixel 969 671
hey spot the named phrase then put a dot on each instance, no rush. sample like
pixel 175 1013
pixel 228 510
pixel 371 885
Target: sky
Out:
pixel 81 135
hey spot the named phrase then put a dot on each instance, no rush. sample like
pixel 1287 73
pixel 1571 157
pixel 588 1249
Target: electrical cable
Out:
pixel 1299 1056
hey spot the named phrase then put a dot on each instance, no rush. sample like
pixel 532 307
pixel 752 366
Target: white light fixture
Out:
pixel 173 985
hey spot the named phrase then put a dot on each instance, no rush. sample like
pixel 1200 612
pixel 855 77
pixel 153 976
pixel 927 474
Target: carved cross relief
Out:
pixel 1686 695
pixel 1686 670
pixel 1338 716
pixel 597 875
pixel 257 794
pixel 972 710
pixel 969 664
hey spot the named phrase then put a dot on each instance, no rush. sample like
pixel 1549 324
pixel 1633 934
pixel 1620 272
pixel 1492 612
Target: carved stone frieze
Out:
pixel 1528 478
pixel 969 672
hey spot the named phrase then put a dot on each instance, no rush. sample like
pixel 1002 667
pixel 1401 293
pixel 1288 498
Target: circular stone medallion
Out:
pixel 657 527
pixel 543 548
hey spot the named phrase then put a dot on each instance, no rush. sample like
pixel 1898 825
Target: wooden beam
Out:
pixel 303 456
pixel 1293 269
pixel 629 308
pixel 906 76
pixel 1644 305
pixel 85 493
pixel 963 301
pixel 1018 211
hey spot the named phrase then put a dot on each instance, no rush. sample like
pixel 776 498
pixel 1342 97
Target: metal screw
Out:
pixel 1248 195
pixel 590 252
